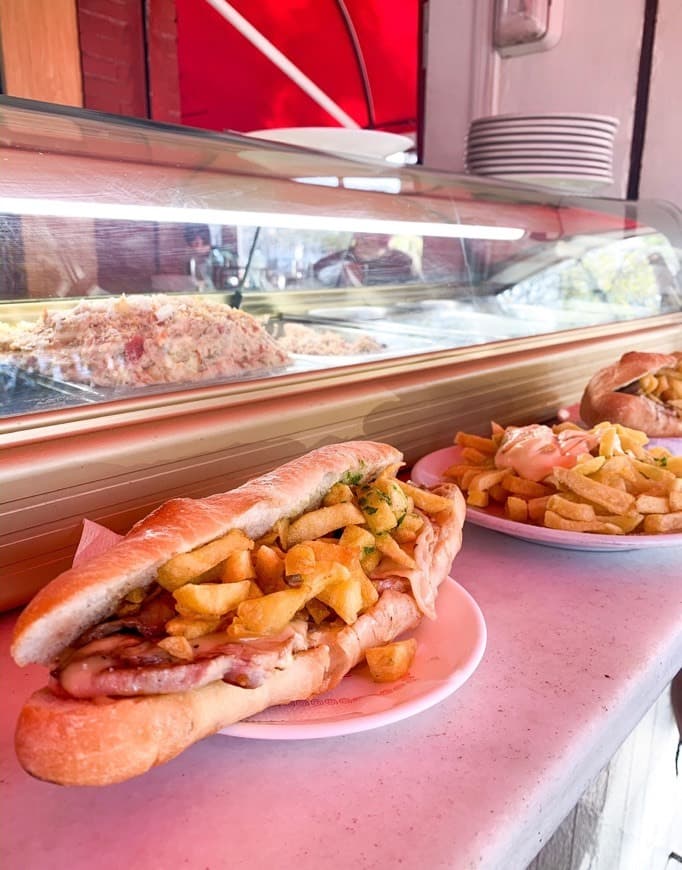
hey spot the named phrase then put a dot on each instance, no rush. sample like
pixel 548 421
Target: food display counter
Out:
pixel 166 328
pixel 180 311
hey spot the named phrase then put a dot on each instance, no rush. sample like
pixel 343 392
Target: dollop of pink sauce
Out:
pixel 533 451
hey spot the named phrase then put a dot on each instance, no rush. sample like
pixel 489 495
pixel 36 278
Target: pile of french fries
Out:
pixel 313 567
pixel 664 387
pixel 620 488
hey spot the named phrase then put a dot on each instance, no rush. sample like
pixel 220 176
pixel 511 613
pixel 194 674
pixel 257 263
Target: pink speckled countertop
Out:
pixel 580 645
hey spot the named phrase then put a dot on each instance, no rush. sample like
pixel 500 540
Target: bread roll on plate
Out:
pixel 633 392
pixel 211 610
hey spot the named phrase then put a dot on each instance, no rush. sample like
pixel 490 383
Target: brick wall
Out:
pixel 129 57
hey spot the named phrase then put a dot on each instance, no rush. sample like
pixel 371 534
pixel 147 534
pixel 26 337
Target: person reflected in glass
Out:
pixel 206 262
pixel 368 261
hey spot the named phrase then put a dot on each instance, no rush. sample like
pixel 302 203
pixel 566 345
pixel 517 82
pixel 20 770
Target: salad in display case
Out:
pixel 182 310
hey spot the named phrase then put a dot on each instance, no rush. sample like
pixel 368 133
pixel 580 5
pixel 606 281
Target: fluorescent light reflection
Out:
pixel 175 214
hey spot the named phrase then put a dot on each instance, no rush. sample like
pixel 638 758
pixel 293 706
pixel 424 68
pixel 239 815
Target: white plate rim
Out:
pixel 586 541
pixel 453 599
pixel 539 136
pixel 580 151
pixel 561 125
pixel 511 116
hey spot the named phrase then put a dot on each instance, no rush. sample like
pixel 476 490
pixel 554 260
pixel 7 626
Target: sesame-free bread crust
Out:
pixel 601 401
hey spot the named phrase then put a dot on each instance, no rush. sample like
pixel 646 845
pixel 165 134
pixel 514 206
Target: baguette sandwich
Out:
pixel 211 610
pixel 641 391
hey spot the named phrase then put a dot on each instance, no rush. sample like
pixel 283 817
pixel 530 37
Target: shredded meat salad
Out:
pixel 137 341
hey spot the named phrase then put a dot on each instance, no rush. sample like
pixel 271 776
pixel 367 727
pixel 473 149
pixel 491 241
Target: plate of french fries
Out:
pixel 445 653
pixel 624 494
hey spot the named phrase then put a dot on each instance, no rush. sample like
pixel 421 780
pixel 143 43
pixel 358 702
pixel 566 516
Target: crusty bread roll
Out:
pixel 106 740
pixel 603 399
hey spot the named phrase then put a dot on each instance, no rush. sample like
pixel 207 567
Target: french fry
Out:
pixel 344 597
pixel 211 599
pixel 485 446
pixel 429 502
pixel 471 454
pixel 317 610
pixel 409 528
pixel 570 510
pixel 299 559
pixel 484 480
pixel 318 523
pixel 269 568
pixel 391 548
pixel 340 492
pixel 391 661
pixel 610 499
pixel 272 613
pixel 675 500
pixel 537 508
pixel 238 566
pixel 525 488
pixel 478 498
pixel 185 567
pixel 658 523
pixel 191 626
pixel 179 647
pixel 516 509
pixel 554 521
pixel 652 504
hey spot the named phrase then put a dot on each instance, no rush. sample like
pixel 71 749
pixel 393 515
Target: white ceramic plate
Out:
pixel 428 471
pixel 340 140
pixel 449 651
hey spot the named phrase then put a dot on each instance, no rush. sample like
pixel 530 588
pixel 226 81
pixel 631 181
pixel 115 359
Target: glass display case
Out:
pixel 181 310
pixel 139 260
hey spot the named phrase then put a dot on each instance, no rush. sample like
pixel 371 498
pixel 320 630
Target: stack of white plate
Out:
pixel 570 151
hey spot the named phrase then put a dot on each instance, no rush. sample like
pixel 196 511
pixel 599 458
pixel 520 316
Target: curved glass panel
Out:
pixel 141 257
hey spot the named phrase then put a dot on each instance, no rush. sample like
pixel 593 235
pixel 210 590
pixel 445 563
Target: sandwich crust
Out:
pixel 602 401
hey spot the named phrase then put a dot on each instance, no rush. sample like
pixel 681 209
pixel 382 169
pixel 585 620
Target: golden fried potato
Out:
pixel 340 492
pixel 391 548
pixel 299 559
pixel 320 522
pixel 409 528
pixel 269 568
pixel 391 661
pixel 191 626
pixel 344 597
pixel 185 567
pixel 570 510
pixel 516 509
pixel 179 647
pixel 657 523
pixel 272 613
pixel 485 446
pixel 238 566
pixel 612 500
pixel 427 501
pixel 554 521
pixel 211 599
